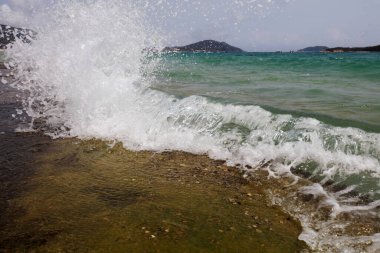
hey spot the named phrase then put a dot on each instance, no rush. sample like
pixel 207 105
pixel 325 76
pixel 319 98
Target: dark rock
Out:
pixel 210 46
pixel 9 34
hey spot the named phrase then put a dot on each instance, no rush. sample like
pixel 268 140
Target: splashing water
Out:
pixel 77 55
pixel 89 74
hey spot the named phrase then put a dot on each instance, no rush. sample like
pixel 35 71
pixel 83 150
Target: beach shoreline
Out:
pixel 67 195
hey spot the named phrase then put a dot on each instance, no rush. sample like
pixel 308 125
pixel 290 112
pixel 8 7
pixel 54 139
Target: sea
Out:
pixel 301 116
pixel 309 115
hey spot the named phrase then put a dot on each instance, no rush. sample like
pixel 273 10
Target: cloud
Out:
pixel 338 36
pixel 18 3
pixel 250 24
pixel 10 16
pixel 19 12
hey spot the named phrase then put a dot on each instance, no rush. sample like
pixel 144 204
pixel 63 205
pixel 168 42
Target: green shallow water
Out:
pixel 338 89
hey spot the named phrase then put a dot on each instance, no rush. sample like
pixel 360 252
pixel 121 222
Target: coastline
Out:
pixel 69 195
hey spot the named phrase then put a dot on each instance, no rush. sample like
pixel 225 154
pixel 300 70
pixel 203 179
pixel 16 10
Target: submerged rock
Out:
pixel 91 203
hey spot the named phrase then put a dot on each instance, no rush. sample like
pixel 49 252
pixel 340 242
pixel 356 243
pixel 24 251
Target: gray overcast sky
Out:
pixel 256 25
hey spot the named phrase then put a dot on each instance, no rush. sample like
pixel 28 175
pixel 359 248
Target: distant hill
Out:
pixel 354 49
pixel 8 35
pixel 211 46
pixel 313 49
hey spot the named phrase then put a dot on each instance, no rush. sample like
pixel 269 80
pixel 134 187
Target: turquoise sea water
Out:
pixel 339 89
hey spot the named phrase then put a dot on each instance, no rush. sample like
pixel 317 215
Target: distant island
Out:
pixel 208 46
pixel 8 35
pixel 353 49
pixel 313 49
pixel 340 49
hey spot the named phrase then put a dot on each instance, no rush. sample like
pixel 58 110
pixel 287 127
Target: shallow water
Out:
pixel 70 195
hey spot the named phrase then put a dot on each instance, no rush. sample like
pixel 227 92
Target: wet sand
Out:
pixel 68 195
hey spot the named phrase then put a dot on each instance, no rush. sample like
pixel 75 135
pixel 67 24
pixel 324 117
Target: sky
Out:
pixel 254 25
